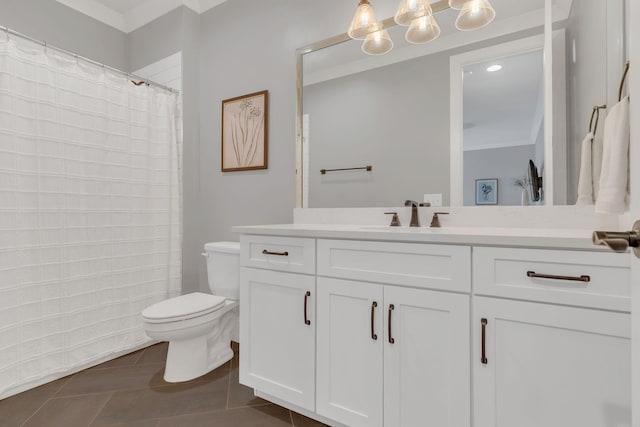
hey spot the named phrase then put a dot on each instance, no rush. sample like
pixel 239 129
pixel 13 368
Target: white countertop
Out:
pixel 476 236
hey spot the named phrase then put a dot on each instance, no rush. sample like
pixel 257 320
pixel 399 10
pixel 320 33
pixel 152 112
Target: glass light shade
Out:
pixel 409 10
pixel 377 43
pixel 364 22
pixel 457 4
pixel 474 15
pixel 423 30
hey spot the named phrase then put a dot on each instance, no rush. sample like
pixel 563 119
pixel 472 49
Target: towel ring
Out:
pixel 624 78
pixel 595 114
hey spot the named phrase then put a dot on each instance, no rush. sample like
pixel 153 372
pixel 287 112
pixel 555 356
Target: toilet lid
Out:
pixel 184 307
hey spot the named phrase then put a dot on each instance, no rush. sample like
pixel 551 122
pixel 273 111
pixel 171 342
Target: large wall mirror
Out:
pixel 465 118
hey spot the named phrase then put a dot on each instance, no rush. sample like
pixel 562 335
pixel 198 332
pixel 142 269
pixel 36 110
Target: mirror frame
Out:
pixel 492 32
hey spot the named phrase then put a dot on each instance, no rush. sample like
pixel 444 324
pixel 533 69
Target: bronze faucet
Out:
pixel 415 220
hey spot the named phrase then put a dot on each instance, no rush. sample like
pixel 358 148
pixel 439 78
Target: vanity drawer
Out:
pixel 442 267
pixel 515 273
pixel 296 255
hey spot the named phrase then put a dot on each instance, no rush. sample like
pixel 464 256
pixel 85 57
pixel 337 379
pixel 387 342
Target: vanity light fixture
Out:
pixel 364 22
pixel 377 43
pixel 494 68
pixel 409 10
pixel 474 15
pixel 423 30
pixel 418 16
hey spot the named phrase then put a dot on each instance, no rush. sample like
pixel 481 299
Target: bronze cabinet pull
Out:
pixel 306 298
pixel 373 310
pixel 582 278
pixel 266 252
pixel 391 308
pixel 483 359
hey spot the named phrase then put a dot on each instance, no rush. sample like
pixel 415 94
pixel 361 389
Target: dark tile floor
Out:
pixel 130 391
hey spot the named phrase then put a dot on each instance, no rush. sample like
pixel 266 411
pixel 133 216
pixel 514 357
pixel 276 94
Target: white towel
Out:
pixel 596 164
pixel 614 179
pixel 585 181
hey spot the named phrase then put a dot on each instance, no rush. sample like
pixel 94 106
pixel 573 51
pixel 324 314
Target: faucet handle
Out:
pixel 435 221
pixel 425 205
pixel 395 221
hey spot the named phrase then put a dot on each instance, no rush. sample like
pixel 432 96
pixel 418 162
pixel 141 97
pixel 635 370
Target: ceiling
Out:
pixel 503 108
pixel 129 15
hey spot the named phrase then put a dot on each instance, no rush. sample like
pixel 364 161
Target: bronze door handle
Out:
pixel 483 359
pixel 373 311
pixel 391 339
pixel 583 278
pixel 306 298
pixel 266 252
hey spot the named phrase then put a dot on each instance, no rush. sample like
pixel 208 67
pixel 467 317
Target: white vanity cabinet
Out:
pixel 399 337
pixel 277 318
pixel 545 365
pixel 387 354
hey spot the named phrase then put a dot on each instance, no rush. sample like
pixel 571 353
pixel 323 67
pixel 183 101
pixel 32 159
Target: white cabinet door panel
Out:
pixel 277 347
pixel 442 267
pixel 426 368
pixel 349 377
pixel 550 366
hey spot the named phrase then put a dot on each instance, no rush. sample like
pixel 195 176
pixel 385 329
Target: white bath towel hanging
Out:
pixel 585 180
pixel 613 195
pixel 596 163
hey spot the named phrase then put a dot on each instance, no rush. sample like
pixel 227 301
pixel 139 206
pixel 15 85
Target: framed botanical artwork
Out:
pixel 487 191
pixel 245 132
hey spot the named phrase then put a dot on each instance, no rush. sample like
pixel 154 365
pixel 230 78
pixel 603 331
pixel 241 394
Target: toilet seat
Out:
pixel 184 307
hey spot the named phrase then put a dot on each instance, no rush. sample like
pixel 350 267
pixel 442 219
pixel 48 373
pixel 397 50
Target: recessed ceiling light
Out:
pixel 494 68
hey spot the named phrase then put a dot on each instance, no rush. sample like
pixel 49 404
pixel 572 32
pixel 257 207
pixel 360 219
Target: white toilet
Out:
pixel 198 326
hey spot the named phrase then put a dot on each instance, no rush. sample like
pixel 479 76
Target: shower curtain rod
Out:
pixel 8 31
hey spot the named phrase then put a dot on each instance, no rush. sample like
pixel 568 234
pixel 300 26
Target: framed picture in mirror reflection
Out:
pixel 487 191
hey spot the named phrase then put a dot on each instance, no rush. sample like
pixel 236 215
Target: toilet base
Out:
pixel 191 358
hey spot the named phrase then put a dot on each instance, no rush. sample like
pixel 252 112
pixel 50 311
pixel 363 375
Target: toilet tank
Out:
pixel 223 268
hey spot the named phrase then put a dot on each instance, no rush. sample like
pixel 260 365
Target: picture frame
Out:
pixel 487 191
pixel 245 132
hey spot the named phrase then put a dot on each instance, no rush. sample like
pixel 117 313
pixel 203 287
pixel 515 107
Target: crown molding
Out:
pixel 146 12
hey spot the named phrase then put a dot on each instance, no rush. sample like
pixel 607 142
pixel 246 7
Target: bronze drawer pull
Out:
pixel 306 297
pixel 483 359
pixel 391 308
pixel 373 310
pixel 266 252
pixel 583 278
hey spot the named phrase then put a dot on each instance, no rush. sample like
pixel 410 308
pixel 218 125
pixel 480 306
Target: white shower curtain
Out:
pixel 90 212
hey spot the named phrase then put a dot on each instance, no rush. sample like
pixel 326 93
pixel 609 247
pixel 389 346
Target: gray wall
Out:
pixel 243 53
pixel 506 164
pixel 395 118
pixel 63 27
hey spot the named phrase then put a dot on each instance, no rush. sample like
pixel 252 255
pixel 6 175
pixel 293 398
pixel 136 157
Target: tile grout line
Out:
pixel 107 400
pixel 46 401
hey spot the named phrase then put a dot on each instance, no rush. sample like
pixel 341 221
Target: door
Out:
pixel 634 88
pixel 350 338
pixel 542 365
pixel 426 359
pixel 277 354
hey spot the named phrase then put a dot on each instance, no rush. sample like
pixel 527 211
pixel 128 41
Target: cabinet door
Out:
pixel 550 366
pixel 349 356
pixel 277 354
pixel 426 359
